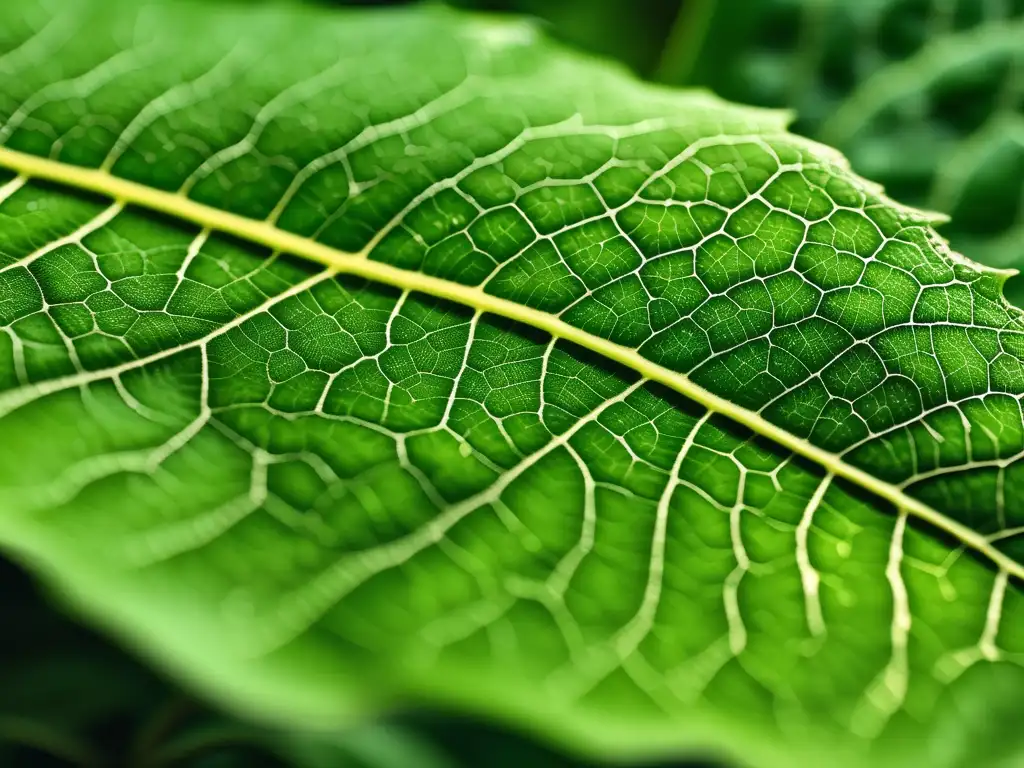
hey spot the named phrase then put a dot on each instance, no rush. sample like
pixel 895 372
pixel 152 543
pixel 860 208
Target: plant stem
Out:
pixel 685 39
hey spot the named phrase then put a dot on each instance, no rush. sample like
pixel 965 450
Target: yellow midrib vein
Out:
pixel 266 234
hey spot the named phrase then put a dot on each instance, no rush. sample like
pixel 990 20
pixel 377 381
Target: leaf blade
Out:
pixel 398 416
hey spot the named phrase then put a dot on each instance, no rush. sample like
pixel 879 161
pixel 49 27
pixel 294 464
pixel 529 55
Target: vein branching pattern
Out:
pixel 484 373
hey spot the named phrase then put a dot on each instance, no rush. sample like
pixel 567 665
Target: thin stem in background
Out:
pixel 684 43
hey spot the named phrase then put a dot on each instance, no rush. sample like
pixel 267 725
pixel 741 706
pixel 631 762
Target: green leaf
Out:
pixel 354 360
pixel 926 97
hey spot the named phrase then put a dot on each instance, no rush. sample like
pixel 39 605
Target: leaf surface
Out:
pixel 353 359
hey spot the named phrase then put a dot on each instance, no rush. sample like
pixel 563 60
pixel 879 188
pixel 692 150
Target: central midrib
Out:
pixel 265 234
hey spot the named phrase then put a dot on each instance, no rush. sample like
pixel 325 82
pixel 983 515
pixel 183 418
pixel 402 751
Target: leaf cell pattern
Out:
pixel 335 490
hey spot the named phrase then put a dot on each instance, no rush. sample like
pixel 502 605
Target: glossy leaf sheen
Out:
pixel 315 492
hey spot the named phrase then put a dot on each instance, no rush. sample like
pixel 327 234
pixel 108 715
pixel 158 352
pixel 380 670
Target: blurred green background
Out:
pixel 926 96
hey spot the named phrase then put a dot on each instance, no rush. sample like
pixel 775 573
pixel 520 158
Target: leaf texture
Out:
pixel 353 359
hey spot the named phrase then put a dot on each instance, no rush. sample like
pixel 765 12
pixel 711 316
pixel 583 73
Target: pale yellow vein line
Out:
pixel 808 573
pixel 265 234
